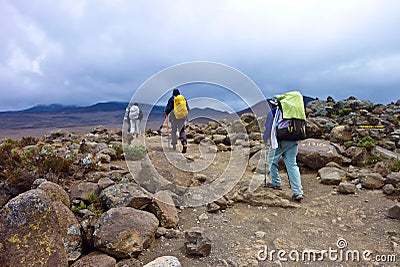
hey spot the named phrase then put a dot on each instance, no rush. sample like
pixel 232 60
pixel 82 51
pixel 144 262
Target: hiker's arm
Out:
pixel 170 106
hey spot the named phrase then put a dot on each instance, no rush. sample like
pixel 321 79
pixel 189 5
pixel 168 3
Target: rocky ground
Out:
pixel 72 199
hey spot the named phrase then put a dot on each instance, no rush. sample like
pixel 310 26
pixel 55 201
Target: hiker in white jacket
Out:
pixel 134 117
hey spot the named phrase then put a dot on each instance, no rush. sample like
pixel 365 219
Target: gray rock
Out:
pixel 125 232
pixel 124 195
pixel 393 178
pixel 30 233
pixel 386 154
pixel 164 261
pixel 164 209
pixel 382 169
pixel 83 190
pixel 371 180
pixel 105 182
pixel 358 155
pixel 331 175
pixel 97 259
pixel 213 207
pixel 388 189
pixel 347 188
pixel 197 242
pixel 394 212
pixel 218 138
pixel 315 153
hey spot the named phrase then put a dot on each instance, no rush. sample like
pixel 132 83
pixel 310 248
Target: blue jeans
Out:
pixel 287 149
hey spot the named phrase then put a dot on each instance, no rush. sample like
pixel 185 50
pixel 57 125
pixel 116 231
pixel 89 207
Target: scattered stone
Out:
pixel 333 164
pixel 164 261
pixel 347 188
pixel 105 182
pixel 393 178
pixel 172 233
pixel 29 232
pixel 394 212
pixel 388 189
pixel 260 234
pixel 203 217
pixel 124 195
pixel 331 175
pixel 55 192
pixel 371 180
pixel 164 209
pixel 213 207
pixel 161 231
pixel 382 169
pixel 197 242
pixel 97 259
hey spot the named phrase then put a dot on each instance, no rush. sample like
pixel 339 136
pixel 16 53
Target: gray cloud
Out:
pixel 83 52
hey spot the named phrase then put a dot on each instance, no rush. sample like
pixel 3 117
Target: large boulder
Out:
pixel 315 153
pixel 125 232
pixel 30 233
pixel 55 192
pixel 97 259
pixel 70 231
pixel 394 212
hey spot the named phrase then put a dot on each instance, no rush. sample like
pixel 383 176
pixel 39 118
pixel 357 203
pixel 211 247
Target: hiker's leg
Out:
pixel 174 127
pixel 132 127
pixel 137 127
pixel 182 134
pixel 289 156
pixel 273 159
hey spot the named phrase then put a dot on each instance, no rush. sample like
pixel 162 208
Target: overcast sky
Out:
pixel 83 52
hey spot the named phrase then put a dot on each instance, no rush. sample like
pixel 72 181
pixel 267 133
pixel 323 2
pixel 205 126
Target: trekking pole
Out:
pixel 265 167
pixel 167 131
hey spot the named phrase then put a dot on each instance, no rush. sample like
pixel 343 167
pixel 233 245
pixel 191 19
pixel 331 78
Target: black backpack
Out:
pixel 291 130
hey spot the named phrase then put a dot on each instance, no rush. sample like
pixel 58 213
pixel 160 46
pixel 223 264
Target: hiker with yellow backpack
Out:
pixel 177 110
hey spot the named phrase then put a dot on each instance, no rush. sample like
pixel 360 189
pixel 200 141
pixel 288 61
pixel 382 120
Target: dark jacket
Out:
pixel 170 104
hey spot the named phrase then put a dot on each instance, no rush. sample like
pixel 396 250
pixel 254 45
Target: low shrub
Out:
pixel 135 152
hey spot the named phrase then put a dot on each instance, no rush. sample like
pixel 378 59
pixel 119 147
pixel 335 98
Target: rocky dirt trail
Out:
pixel 239 232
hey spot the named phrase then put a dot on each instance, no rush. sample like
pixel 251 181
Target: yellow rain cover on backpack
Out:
pixel 180 108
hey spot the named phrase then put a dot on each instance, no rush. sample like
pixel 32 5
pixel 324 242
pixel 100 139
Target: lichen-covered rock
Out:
pixel 97 259
pixel 70 231
pixel 29 232
pixel 125 232
pixel 55 192
pixel 340 134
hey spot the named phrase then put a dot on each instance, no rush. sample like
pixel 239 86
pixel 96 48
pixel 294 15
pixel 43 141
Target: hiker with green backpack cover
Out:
pixel 177 110
pixel 285 125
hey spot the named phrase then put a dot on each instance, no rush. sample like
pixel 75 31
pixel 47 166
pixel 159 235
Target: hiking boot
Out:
pixel 297 198
pixel 184 149
pixel 275 187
